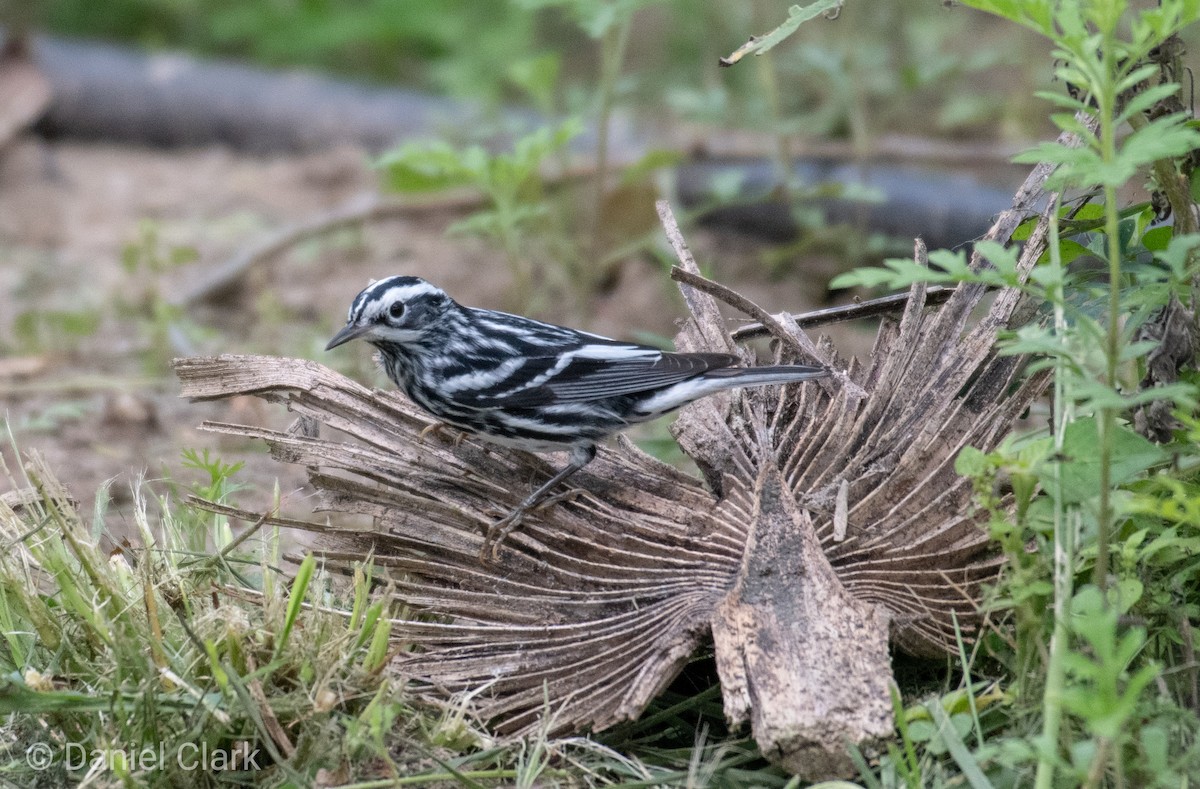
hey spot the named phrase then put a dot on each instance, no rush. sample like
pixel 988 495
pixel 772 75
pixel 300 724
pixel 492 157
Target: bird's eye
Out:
pixel 396 311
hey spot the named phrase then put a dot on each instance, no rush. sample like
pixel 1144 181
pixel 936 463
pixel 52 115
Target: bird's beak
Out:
pixel 349 332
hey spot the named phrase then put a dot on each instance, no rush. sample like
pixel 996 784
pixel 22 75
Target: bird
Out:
pixel 530 385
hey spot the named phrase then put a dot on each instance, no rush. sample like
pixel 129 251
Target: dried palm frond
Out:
pixel 831 521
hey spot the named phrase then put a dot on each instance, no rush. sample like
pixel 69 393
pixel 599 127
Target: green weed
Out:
pixel 1090 514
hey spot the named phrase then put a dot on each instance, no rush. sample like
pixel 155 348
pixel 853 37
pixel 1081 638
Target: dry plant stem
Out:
pixel 684 255
pixel 361 209
pixel 738 302
pixel 270 721
pixel 17 500
pixel 221 278
pixel 884 305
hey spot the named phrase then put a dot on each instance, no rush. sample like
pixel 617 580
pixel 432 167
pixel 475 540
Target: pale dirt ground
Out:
pixel 104 407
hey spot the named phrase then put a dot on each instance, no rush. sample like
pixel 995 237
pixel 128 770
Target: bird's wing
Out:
pixel 598 370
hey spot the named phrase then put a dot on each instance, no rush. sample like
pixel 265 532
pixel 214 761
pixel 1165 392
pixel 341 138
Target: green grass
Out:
pixel 188 644
pixel 200 658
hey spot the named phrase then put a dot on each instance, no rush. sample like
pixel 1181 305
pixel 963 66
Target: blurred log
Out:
pixel 945 209
pixel 112 93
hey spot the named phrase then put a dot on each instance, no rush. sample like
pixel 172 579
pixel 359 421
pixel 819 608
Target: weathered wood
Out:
pixel 805 662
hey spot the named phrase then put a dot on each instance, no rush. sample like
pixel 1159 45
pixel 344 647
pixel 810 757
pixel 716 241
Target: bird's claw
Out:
pixel 497 532
pixel 442 430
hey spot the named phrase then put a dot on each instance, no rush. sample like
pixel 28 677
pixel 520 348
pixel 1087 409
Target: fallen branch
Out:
pixel 362 209
pixel 359 210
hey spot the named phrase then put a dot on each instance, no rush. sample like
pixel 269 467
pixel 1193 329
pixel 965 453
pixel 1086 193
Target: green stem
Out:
pixel 783 156
pixel 1056 673
pixel 522 297
pixel 1064 547
pixel 1106 101
pixel 612 55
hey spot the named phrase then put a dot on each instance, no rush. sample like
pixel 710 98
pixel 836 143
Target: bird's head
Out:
pixel 396 310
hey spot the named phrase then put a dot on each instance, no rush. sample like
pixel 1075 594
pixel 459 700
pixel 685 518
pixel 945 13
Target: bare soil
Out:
pixel 85 376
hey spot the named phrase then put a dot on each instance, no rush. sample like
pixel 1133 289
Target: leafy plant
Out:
pixel 166 330
pixel 511 181
pixel 54 330
pixel 1071 493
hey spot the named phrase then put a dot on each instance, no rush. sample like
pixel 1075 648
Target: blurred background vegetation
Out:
pixel 916 66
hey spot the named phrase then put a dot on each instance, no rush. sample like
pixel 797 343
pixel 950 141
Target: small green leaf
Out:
pixel 971 462
pixel 429 166
pixel 296 600
pixel 1156 239
pixel 1179 253
pixel 1131 455
pixel 1092 212
pixel 377 652
pixel 1038 15
pixel 1165 138
pixel 1128 592
pixel 921 731
pixel 1068 251
pixel 1147 99
pixel 797 15
pixel 1156 746
pixel 538 77
pixel 1025 229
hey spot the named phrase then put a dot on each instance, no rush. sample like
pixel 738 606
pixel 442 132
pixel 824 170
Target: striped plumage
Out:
pixel 528 384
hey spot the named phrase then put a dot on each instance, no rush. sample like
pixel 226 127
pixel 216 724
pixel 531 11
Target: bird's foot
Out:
pixel 442 431
pixel 498 532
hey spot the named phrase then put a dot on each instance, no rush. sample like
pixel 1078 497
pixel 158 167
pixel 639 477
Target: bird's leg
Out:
pixel 499 530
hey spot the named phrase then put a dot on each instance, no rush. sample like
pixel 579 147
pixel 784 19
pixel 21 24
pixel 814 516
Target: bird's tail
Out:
pixel 724 378
pixel 761 376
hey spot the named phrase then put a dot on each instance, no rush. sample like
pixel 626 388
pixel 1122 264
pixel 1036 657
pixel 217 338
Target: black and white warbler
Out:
pixel 531 385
